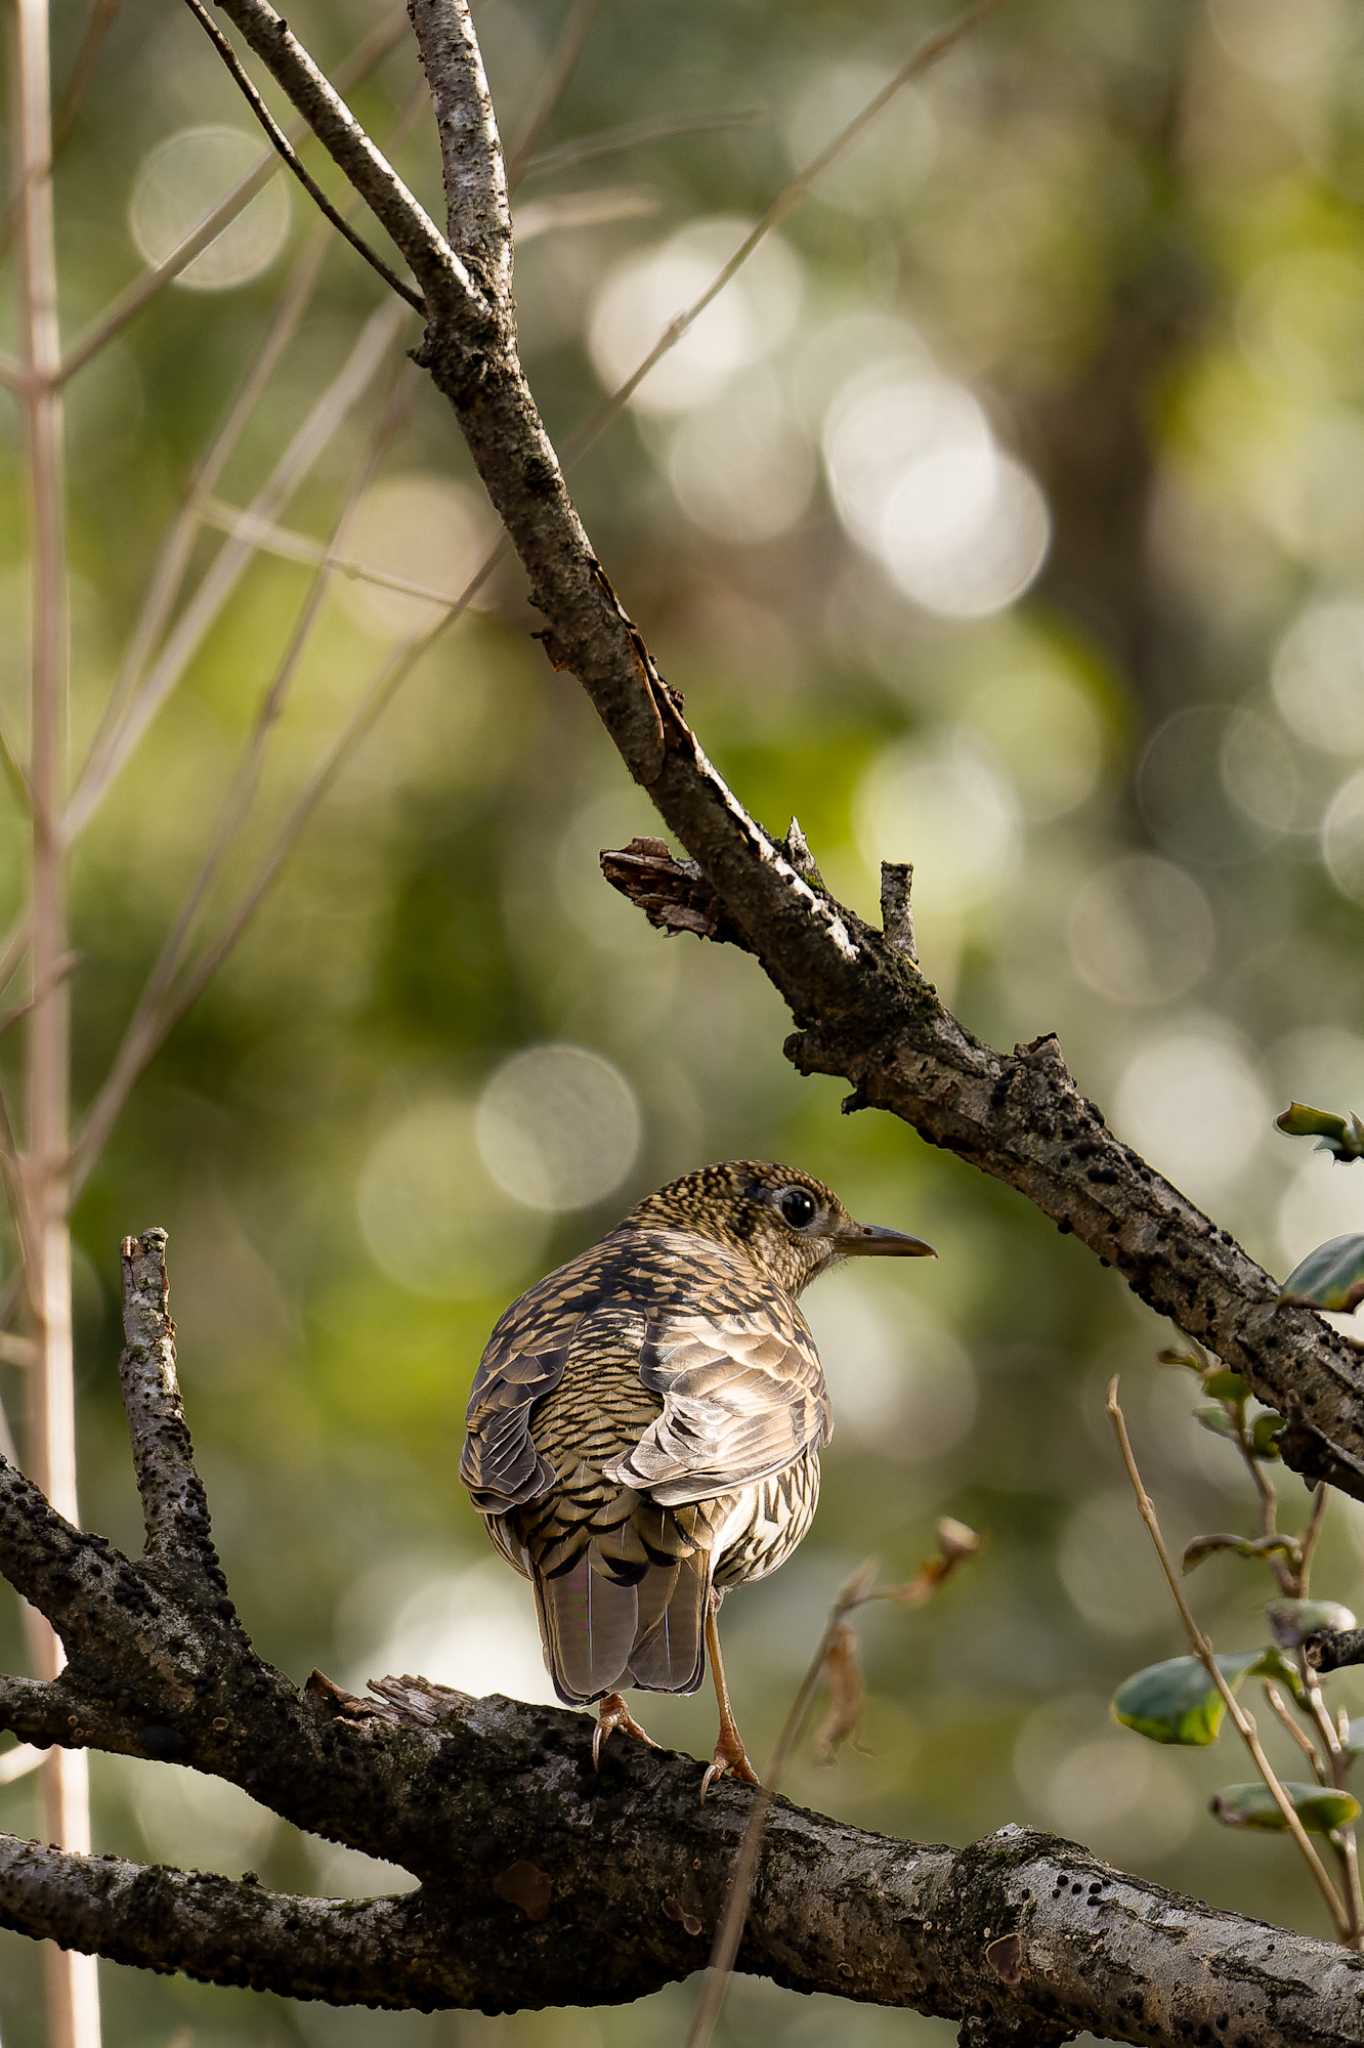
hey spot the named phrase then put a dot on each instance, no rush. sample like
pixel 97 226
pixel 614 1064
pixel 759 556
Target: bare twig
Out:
pixel 572 41
pixel 1311 1536
pixel 12 769
pixel 174 1506
pixel 72 1985
pixel 568 156
pixel 271 538
pixel 97 25
pixel 156 1007
pixel 792 195
pixel 130 302
pixel 471 156
pixel 1202 1649
pixel 280 142
pixel 442 276
pixel 312 437
pixel 173 560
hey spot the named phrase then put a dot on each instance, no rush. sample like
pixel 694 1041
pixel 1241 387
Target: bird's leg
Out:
pixel 612 1713
pixel 730 1754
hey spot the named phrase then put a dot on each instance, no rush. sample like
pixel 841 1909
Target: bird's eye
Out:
pixel 797 1207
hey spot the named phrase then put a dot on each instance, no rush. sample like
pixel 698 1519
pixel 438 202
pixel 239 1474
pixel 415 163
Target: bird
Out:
pixel 644 1428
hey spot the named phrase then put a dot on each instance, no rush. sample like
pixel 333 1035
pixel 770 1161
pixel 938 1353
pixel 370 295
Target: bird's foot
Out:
pixel 730 1758
pixel 612 1713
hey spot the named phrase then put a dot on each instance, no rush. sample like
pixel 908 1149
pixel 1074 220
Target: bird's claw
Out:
pixel 613 1713
pixel 730 1759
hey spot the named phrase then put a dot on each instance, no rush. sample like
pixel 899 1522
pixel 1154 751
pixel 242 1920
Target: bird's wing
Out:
pixel 743 1395
pixel 526 1358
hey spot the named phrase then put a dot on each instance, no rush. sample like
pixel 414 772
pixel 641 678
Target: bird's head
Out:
pixel 788 1223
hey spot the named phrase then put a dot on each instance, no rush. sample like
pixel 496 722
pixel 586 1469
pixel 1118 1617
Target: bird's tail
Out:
pixel 605 1633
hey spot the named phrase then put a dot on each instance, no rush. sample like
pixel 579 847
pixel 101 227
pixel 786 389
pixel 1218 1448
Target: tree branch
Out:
pixel 1019 1934
pixel 289 156
pixel 865 1012
pixel 441 275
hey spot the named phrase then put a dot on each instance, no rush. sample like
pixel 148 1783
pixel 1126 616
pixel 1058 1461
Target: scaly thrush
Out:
pixel 645 1425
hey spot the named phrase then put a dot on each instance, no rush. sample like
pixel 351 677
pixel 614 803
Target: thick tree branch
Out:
pixel 523 1852
pixel 864 1010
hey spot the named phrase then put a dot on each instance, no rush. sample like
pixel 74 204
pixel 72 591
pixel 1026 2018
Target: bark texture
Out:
pixel 538 1881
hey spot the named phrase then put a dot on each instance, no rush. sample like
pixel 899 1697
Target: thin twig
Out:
pixel 573 38
pixel 1202 1649
pixel 432 261
pixel 13 770
pixel 60 970
pixel 16 1763
pixel 314 435
pixel 271 538
pixel 130 302
pixel 567 156
pixel 280 142
pixel 97 26
pixel 793 194
pixel 72 1983
pixel 1280 1707
pixel 155 1007
pixel 173 560
pixel 1311 1536
pixel 729 1933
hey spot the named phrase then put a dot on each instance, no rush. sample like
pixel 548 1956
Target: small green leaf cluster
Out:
pixel 1178 1701
pixel 1332 1276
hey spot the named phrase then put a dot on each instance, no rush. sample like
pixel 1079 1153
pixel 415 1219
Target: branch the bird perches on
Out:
pixel 1019 1930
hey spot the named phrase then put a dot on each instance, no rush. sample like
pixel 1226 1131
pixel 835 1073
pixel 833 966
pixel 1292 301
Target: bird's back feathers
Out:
pixel 624 1409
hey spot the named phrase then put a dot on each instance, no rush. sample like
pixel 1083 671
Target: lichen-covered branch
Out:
pixel 863 1009
pixel 522 1853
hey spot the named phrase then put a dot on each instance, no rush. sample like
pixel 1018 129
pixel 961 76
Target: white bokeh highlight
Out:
pixel 181 181
pixel 642 295
pixel 558 1127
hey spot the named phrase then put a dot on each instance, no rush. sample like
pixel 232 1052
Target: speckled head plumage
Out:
pixel 791 1225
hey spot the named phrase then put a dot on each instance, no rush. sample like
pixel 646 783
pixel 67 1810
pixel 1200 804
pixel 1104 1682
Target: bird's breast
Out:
pixel 766 1521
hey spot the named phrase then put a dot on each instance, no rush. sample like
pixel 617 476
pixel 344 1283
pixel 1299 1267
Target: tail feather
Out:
pixel 601 1635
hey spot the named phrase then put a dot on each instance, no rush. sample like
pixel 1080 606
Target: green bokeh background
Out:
pixel 1132 783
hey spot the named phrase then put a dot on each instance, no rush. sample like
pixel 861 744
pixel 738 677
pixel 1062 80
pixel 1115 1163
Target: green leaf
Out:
pixel 1226 1386
pixel 1195 1359
pixel 1215 1418
pixel 1292 1621
pixel 1265 1432
pixel 1330 1277
pixel 1204 1547
pixel 1177 1701
pixel 1320 1808
pixel 1280 1670
pixel 1341 1135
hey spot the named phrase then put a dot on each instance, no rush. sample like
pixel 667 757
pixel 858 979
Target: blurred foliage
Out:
pixel 1003 517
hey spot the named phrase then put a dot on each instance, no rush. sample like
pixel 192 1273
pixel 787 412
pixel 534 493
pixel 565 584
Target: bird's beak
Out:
pixel 869 1240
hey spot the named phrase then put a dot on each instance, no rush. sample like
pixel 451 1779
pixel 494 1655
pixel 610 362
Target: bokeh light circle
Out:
pixel 431 1217
pixel 1342 838
pixel 558 1127
pixel 955 807
pixel 178 185
pixel 1318 675
pixel 1141 930
pixel 642 295
pixel 742 469
pixel 1193 1103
